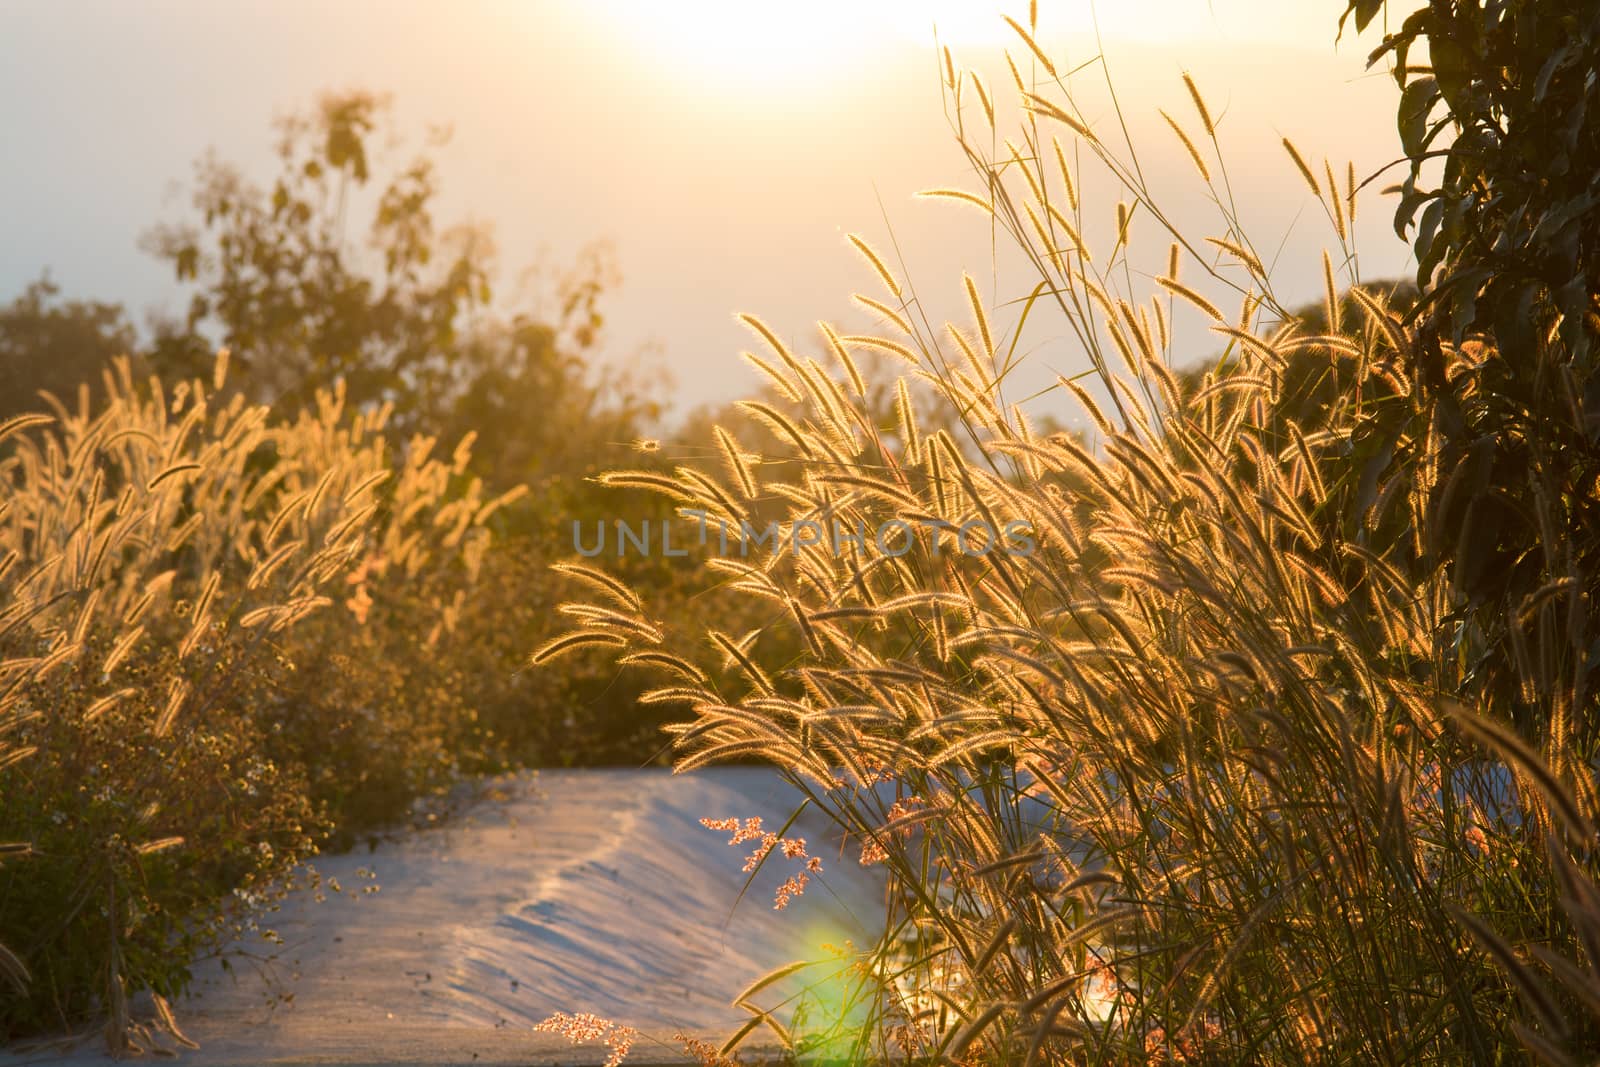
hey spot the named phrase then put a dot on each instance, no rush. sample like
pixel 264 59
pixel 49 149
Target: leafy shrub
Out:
pixel 1507 245
pixel 52 345
pixel 401 312
pixel 168 562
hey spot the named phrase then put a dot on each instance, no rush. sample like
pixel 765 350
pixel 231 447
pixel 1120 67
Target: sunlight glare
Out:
pixel 756 51
pixel 751 44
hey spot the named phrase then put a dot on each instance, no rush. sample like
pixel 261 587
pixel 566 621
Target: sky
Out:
pixel 721 149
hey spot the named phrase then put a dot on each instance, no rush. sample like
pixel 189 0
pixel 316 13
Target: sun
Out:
pixel 754 45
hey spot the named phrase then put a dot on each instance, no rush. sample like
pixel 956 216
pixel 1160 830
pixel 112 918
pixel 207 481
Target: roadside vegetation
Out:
pixel 1279 745
pixel 261 604
pixel 1240 709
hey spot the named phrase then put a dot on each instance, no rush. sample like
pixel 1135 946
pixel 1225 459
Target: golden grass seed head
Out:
pixel 1302 167
pixel 1189 146
pixel 1033 45
pixel 1200 105
pixel 872 257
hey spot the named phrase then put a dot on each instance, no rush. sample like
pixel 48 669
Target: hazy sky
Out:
pixel 723 148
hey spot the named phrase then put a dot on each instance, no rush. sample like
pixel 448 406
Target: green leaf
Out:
pixel 1364 10
pixel 1513 320
pixel 1427 230
pixel 1415 104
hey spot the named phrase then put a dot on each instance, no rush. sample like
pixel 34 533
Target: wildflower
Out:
pixel 791 888
pixel 876 771
pixel 360 603
pixel 748 832
pixel 1103 991
pixel 903 807
pixel 372 565
pixel 793 848
pixel 873 851
pixel 1155 1043
pixel 1189 1045
pixel 704 1052
pixel 760 852
pixel 583 1026
pixel 910 1037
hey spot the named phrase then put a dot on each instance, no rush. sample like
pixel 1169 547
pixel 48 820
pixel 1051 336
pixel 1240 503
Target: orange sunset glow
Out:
pixel 888 532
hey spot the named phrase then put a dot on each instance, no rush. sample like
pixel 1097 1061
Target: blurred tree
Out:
pixel 52 346
pixel 280 280
pixel 543 408
pixel 396 306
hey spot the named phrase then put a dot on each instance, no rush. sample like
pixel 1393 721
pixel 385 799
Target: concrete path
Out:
pixel 583 891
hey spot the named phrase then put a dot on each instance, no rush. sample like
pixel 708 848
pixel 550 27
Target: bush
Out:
pixel 170 567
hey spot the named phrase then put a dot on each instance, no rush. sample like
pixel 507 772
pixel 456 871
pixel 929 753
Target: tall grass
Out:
pixel 166 556
pixel 1199 778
